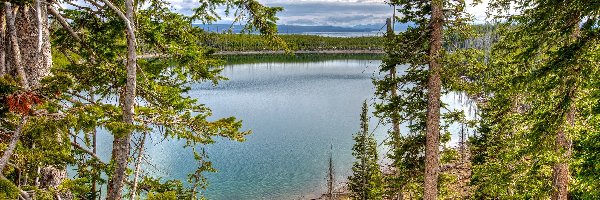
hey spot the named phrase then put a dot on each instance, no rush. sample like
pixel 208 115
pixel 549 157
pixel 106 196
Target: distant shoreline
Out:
pixel 302 52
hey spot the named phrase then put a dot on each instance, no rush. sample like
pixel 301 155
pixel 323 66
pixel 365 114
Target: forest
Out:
pixel 71 70
pixel 248 42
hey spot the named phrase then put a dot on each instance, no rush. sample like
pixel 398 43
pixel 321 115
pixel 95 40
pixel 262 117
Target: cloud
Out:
pixel 346 13
pixel 478 11
pixel 301 21
pixel 327 12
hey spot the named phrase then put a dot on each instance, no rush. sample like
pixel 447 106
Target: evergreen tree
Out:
pixel 539 117
pixel 366 181
pixel 412 96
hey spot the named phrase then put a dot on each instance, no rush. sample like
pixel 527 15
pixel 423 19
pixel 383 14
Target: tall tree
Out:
pixel 420 51
pixel 366 180
pixel 121 143
pixel 541 68
pixel 434 87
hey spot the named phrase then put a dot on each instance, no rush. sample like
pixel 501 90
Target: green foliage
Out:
pixel 259 17
pixel 250 42
pixel 86 86
pixel 153 188
pixel 76 186
pixel 538 78
pixel 285 58
pixel 8 190
pixel 163 107
pixel 8 86
pixel 409 50
pixel 169 195
pixel 366 181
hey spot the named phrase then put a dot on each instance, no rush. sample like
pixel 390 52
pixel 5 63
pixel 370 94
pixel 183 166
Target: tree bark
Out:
pixel 433 103
pixel 121 144
pixel 138 166
pixel 63 23
pixel 12 145
pixel 3 48
pixel 34 41
pixel 560 171
pixel 27 56
pixel 14 44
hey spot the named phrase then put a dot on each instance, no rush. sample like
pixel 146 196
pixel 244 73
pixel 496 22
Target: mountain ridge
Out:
pixel 294 29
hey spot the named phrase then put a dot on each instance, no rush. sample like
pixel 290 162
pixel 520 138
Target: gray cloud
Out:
pixel 333 13
pixel 304 22
pixel 324 12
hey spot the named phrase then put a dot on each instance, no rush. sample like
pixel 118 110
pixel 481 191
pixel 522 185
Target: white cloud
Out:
pixel 329 12
pixel 478 11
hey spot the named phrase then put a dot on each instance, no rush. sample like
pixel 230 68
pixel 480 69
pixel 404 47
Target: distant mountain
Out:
pixel 398 26
pixel 290 29
pixel 305 29
pixel 296 29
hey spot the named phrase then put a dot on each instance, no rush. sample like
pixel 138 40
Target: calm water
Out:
pixel 296 112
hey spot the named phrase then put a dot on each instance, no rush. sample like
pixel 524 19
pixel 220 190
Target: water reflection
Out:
pixel 295 110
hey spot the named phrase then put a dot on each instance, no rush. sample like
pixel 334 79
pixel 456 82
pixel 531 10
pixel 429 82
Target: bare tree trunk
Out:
pixel 3 48
pixel 121 143
pixel 34 41
pixel 14 42
pixel 12 145
pixel 94 150
pixel 138 166
pixel 433 104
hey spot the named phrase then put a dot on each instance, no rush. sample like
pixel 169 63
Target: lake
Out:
pixel 296 111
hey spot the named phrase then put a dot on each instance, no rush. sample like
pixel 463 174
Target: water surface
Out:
pixel 296 111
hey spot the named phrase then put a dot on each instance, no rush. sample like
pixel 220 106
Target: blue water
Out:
pixel 296 111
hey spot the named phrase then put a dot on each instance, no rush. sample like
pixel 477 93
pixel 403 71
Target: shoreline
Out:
pixel 374 51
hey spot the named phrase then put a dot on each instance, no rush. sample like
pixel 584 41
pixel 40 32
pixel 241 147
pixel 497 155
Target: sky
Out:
pixel 327 12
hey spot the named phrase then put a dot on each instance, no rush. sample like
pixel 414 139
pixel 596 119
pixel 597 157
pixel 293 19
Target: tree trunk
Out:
pixel 394 94
pixel 138 166
pixel 560 171
pixel 34 41
pixel 12 145
pixel 37 57
pixel 94 150
pixel 121 144
pixel 433 104
pixel 14 45
pixel 394 88
pixel 3 48
pixel 26 55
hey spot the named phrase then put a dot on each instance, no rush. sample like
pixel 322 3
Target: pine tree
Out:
pixel 539 115
pixel 366 181
pixel 412 97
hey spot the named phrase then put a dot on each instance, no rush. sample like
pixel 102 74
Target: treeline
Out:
pixel 532 76
pixel 295 58
pixel 252 42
